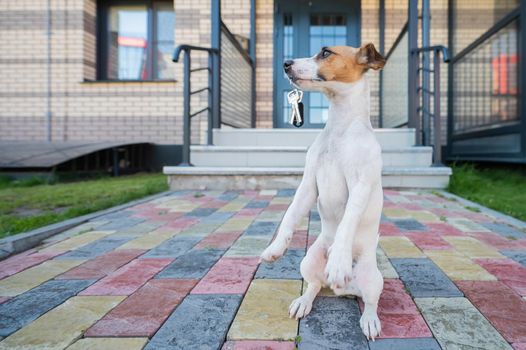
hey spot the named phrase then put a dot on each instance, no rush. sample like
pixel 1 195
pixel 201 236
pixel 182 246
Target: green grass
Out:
pixel 36 202
pixel 499 188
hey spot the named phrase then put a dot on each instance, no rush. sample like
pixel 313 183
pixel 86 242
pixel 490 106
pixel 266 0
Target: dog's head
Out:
pixel 333 66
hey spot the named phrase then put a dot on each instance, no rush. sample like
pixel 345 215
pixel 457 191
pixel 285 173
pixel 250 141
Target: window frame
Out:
pixel 102 38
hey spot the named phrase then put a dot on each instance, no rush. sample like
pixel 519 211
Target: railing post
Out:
pixel 412 32
pixel 437 147
pixel 253 58
pixel 426 123
pixel 216 63
pixel 522 76
pixel 381 20
pixel 210 134
pixel 186 110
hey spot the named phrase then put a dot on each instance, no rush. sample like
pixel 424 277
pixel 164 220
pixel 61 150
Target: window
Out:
pixel 136 40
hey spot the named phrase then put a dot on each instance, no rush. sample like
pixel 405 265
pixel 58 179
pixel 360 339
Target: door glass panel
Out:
pixel 324 30
pixel 288 53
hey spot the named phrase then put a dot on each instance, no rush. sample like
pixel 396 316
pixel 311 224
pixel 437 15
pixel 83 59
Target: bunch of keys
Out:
pixel 294 97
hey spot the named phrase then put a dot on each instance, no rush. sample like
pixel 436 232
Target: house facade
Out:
pixel 102 70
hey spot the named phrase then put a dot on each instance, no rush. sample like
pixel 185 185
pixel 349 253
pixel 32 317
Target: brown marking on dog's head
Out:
pixel 347 64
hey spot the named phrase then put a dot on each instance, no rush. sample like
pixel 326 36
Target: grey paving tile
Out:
pixel 424 279
pixel 256 204
pixel 504 230
pixel 201 212
pixel 173 248
pixel 517 255
pixel 262 228
pixel 457 324
pixel 199 322
pixel 96 248
pixel 27 307
pixel 288 267
pixel 409 225
pixel 217 217
pixel 228 196
pixel 333 323
pixel 139 229
pixel 120 224
pixel 405 344
pixel 194 264
pixel 122 214
pixel 286 193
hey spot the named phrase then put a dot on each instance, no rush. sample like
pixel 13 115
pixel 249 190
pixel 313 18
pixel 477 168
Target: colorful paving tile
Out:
pixel 182 271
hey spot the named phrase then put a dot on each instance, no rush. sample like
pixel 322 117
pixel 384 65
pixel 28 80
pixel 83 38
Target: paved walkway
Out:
pixel 181 272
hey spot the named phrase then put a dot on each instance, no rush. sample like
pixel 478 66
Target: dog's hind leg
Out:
pixel 304 199
pixel 312 267
pixel 370 283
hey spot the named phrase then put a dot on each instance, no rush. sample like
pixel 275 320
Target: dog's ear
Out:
pixel 368 56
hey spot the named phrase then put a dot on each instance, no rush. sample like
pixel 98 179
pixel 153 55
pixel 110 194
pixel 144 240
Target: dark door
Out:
pixel 302 28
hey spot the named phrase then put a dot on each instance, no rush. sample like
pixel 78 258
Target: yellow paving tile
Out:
pixel 109 344
pixel 281 200
pixel 457 266
pixel 396 213
pixel 268 192
pixel 63 325
pixel 148 241
pixel 399 247
pixel 34 276
pixel 235 224
pixel 263 314
pixel 466 225
pixel 472 247
pixel 424 216
pixel 76 241
pixel 233 206
pixel 384 265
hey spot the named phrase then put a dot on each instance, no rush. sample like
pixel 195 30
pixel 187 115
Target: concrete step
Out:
pixel 271 156
pixel 252 178
pixel 388 138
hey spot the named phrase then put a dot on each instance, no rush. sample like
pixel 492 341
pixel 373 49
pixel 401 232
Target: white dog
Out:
pixel 343 173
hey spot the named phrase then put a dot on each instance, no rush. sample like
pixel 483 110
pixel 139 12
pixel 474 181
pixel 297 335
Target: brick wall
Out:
pixel 84 109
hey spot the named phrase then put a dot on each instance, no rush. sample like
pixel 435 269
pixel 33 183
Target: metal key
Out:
pixel 294 98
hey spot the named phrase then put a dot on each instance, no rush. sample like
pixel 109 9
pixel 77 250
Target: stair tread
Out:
pixel 214 148
pixel 169 170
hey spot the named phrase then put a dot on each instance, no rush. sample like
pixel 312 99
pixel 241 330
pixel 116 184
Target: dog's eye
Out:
pixel 325 53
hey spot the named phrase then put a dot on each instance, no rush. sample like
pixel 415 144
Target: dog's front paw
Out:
pixel 300 307
pixel 370 324
pixel 273 252
pixel 338 270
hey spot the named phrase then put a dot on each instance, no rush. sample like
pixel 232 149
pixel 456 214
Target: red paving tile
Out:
pixel 180 223
pixel 443 229
pixel 3 299
pixel 500 305
pixel 228 276
pixel 258 345
pixel 102 265
pixel 425 240
pixel 519 346
pixel 22 261
pixel 410 206
pixel 499 242
pixel 508 272
pixel 128 278
pixel 299 240
pixel 158 215
pixel 277 207
pixel 399 314
pixel 389 229
pixel 142 313
pixel 219 240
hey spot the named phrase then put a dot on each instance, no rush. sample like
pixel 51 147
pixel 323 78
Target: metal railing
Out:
pixel 393 98
pixel 187 95
pixel 428 126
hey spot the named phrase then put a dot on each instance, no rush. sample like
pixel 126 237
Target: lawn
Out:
pixel 31 203
pixel 502 189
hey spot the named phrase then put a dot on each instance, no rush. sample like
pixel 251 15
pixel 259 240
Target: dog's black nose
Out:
pixel 287 64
